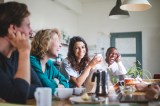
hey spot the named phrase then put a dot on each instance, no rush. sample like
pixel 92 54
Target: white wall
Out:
pixel 94 23
pixel 50 14
pixel 47 14
pixel 95 26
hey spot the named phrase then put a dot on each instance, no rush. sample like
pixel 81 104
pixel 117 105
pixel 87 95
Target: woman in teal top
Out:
pixel 46 45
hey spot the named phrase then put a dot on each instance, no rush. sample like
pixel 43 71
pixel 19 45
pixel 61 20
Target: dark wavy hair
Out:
pixel 11 13
pixel 72 58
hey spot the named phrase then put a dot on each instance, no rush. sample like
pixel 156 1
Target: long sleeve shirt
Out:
pixel 68 71
pixel 15 90
pixel 117 68
pixel 51 72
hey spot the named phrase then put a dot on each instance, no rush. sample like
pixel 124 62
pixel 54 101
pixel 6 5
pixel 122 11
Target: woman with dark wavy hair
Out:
pixel 77 66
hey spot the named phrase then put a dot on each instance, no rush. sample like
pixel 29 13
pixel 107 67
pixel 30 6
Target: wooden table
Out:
pixel 111 100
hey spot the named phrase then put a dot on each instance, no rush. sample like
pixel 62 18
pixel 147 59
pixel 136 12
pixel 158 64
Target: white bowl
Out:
pixel 63 93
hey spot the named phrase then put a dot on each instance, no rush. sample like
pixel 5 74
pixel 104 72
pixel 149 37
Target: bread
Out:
pixel 85 96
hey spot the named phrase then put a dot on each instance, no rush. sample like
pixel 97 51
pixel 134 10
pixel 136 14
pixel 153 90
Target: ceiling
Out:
pixel 89 1
pixel 1 1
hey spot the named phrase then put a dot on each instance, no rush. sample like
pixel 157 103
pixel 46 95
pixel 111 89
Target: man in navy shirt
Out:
pixel 17 81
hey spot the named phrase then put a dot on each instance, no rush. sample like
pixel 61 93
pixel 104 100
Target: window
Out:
pixel 129 44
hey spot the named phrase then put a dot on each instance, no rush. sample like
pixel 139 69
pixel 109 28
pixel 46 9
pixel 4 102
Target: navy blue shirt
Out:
pixel 15 90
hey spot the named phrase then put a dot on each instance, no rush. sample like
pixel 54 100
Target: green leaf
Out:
pixel 130 70
pixel 138 63
pixel 135 70
pixel 140 73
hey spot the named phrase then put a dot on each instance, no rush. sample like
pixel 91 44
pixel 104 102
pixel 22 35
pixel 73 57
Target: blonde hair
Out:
pixel 41 40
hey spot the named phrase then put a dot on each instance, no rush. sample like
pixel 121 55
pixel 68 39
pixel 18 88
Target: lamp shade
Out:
pixel 117 13
pixel 135 5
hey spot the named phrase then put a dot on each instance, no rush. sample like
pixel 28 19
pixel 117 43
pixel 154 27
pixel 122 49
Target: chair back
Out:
pixel 156 76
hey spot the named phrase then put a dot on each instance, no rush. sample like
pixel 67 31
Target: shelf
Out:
pixel 63 44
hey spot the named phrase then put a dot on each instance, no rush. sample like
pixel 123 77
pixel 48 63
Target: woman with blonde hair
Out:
pixel 46 45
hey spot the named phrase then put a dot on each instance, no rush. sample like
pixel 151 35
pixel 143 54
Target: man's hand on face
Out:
pixel 118 58
pixel 19 40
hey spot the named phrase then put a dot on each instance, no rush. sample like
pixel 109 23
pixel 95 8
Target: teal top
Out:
pixel 51 72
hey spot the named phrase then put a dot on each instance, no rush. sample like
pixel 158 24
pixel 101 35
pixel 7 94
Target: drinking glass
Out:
pixel 129 81
pixel 128 90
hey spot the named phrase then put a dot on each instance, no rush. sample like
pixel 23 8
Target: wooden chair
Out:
pixel 156 76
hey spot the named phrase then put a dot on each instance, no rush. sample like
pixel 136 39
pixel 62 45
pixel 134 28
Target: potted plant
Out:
pixel 136 70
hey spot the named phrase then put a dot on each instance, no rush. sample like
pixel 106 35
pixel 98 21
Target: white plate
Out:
pixel 79 100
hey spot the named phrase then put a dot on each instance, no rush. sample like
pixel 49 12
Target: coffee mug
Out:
pixel 43 96
pixel 63 93
pixel 78 91
pixel 99 55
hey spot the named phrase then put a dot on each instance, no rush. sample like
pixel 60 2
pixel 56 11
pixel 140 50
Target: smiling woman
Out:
pixel 77 66
pixel 45 45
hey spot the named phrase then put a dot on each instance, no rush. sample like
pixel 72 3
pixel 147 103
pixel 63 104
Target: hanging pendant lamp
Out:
pixel 117 13
pixel 135 5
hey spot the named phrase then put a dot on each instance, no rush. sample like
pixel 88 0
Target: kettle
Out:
pixel 101 83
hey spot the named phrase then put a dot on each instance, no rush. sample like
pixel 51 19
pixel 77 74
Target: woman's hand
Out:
pixel 141 86
pixel 153 92
pixel 96 60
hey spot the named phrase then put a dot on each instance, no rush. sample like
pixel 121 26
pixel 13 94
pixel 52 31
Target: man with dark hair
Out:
pixel 17 81
pixel 114 64
pixel 113 60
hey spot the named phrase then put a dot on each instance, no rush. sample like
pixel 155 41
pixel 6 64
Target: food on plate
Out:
pixel 85 96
